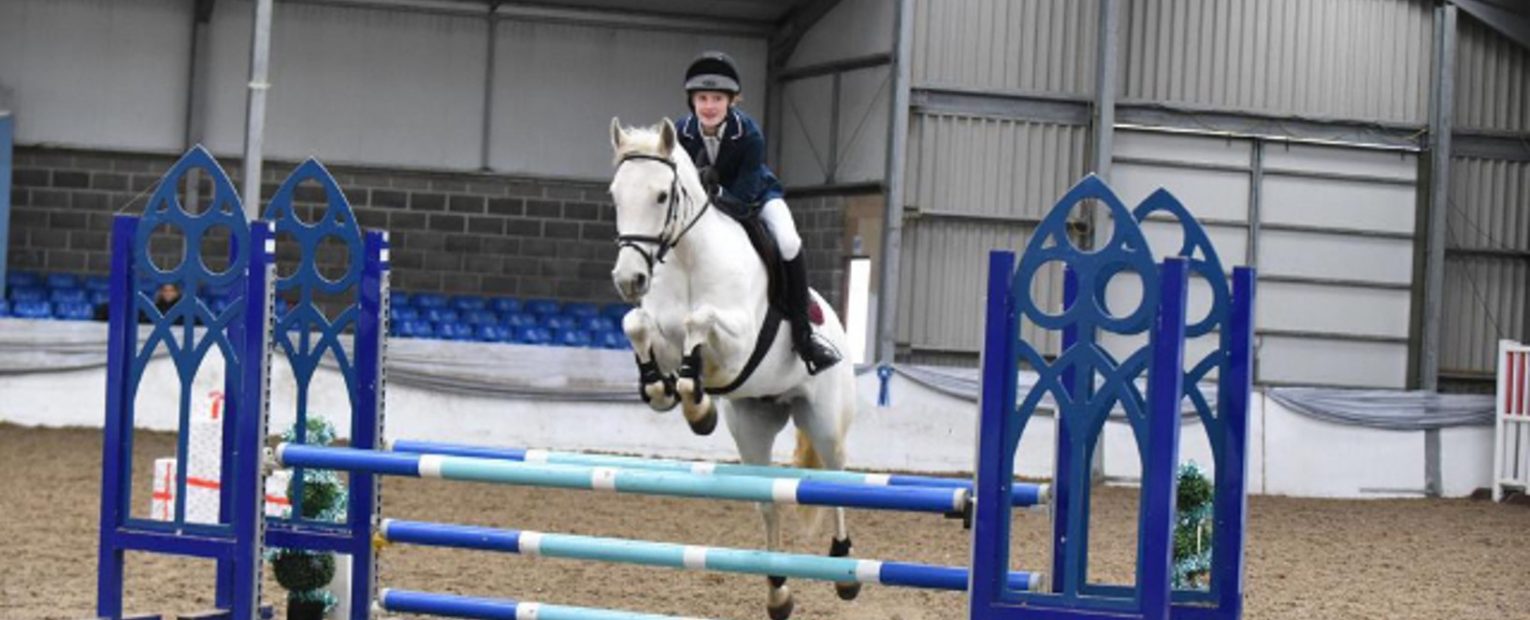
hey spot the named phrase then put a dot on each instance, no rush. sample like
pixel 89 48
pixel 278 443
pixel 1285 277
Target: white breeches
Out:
pixel 779 219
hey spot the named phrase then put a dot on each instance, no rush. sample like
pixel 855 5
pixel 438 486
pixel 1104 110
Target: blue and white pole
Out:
pixel 688 557
pixel 1023 494
pixel 614 479
pixel 454 606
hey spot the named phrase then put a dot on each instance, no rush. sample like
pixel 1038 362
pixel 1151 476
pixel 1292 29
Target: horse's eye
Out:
pixel 663 197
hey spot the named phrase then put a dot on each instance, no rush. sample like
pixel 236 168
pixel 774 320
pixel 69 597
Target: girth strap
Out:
pixel 762 343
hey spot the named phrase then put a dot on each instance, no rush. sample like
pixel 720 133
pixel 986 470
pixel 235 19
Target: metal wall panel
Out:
pixel 864 105
pixel 557 87
pixel 991 167
pixel 1038 46
pixel 1485 299
pixel 1327 213
pixel 1486 292
pixel 1492 80
pixel 852 28
pixel 805 121
pixel 1350 59
pixel 97 73
pixel 943 278
pixel 355 85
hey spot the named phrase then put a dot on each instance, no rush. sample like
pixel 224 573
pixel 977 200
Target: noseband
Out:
pixel 662 242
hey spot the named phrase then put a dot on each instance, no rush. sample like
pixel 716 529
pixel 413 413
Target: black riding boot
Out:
pixel 816 352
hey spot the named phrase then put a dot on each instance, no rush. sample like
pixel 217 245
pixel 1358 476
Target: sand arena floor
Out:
pixel 1307 559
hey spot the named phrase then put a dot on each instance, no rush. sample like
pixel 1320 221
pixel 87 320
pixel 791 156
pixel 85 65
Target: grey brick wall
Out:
pixel 456 233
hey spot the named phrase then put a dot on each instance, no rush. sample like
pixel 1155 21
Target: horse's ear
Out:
pixel 618 135
pixel 666 137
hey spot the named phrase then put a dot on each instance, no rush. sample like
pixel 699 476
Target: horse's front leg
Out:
pixel 717 333
pixel 656 387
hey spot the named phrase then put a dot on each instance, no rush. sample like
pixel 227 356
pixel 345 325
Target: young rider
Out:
pixel 729 150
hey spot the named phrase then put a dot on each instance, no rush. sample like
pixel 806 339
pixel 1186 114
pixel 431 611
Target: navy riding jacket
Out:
pixel 740 166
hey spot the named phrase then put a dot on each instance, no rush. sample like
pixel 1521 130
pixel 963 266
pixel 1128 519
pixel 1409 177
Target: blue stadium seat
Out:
pixel 560 322
pixel 416 328
pixel 582 311
pixel 468 302
pixel 22 279
pixel 534 335
pixel 98 283
pixel 398 298
pixel 543 306
pixel 599 324
pixel 100 297
pixel 282 306
pixel 32 309
pixel 493 333
pixel 28 294
pixel 521 320
pixel 454 331
pixel 615 312
pixel 63 280
pixel 73 311
pixel 611 339
pixel 440 315
pixel 218 303
pixel 67 295
pixel 403 313
pixel 480 317
pixel 505 305
pixel 5 308
pixel 573 337
pixel 429 300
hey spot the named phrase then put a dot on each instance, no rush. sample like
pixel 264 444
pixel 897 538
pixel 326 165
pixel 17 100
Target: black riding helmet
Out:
pixel 712 71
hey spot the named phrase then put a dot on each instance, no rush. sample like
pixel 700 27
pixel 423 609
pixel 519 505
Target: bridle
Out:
pixel 661 242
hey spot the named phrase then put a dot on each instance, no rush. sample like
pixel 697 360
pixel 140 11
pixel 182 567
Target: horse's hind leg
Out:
pixel 754 425
pixel 825 418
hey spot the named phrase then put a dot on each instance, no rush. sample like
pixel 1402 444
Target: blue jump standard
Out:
pixel 404 601
pixel 692 557
pixel 1023 494
pixel 670 483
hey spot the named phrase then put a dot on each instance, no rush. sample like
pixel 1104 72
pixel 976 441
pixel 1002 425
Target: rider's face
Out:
pixel 711 107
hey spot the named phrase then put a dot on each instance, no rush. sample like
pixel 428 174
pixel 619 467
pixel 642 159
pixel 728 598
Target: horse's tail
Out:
pixel 806 457
pixel 813 518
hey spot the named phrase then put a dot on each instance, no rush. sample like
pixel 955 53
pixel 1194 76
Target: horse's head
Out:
pixel 651 189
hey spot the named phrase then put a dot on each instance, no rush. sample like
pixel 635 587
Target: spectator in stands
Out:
pixel 164 298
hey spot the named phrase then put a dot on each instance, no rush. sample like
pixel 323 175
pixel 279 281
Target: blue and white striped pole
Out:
pixel 454 606
pixel 1023 494
pixel 689 557
pixel 669 483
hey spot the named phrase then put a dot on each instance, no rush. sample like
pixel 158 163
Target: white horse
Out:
pixel 703 295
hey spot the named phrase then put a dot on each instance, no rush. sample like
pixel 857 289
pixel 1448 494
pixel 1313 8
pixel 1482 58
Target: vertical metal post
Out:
pixel 255 111
pixel 897 154
pixel 486 136
pixel 1442 110
pixel 6 126
pixel 1105 89
pixel 833 172
pixel 1104 146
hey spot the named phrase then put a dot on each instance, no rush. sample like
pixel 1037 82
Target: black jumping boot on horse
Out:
pixel 816 352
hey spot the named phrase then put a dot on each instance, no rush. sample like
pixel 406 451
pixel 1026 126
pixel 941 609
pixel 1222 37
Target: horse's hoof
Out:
pixel 706 424
pixel 782 611
pixel 847 591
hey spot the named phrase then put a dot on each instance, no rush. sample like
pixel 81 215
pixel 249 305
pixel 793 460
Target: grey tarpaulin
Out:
pixel 591 375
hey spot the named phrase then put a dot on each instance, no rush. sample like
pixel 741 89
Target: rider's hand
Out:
pixel 710 180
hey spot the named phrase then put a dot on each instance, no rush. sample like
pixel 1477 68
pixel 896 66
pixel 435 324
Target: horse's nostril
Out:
pixel 641 280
